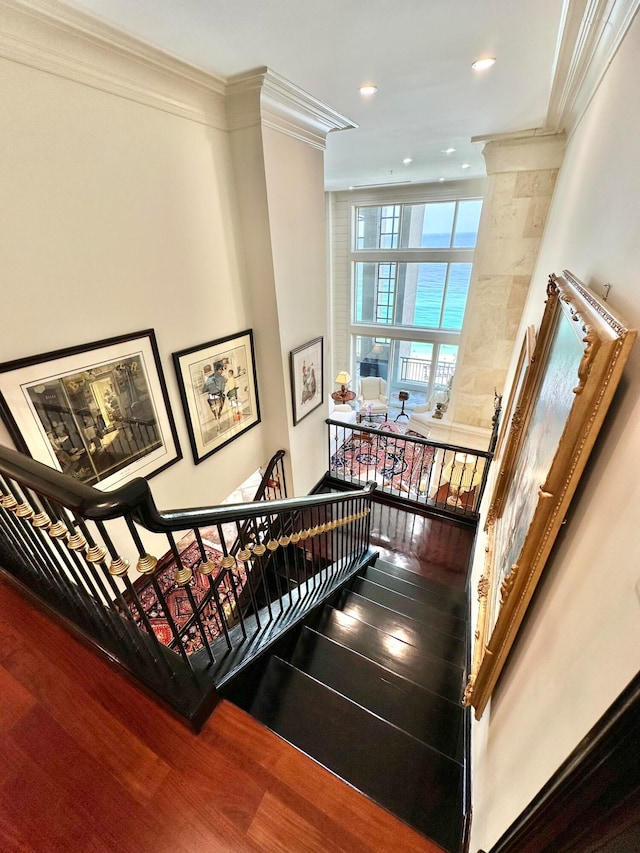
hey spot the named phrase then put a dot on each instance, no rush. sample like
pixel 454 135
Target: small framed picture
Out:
pixel 219 391
pixel 98 412
pixel 307 378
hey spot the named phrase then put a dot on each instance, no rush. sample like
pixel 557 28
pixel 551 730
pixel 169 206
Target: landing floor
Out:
pixel 88 763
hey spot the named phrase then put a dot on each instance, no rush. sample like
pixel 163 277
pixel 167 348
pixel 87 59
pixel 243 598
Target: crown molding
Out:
pixel 262 97
pixel 591 33
pixel 52 37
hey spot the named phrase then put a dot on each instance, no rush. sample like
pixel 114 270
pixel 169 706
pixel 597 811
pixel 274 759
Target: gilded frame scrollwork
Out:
pixel 565 391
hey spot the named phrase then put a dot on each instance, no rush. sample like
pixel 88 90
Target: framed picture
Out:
pixel 219 391
pixel 306 364
pixel 576 366
pixel 98 412
pixel 512 422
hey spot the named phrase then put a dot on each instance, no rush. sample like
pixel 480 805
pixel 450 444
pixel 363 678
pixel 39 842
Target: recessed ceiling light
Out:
pixel 484 63
pixel 407 160
pixel 465 166
pixel 441 179
pixel 368 89
pixel 448 150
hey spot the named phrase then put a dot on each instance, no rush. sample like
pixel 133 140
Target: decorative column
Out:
pixel 522 171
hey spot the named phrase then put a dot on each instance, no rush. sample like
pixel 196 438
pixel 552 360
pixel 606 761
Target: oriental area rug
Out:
pixel 177 599
pixel 394 462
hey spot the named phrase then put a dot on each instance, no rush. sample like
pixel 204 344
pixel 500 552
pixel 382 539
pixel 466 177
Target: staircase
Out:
pixel 371 688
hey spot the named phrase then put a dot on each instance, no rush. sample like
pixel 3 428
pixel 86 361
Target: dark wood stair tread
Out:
pixel 406 660
pixel 417 783
pixel 410 607
pixel 425 715
pixel 417 633
pixel 447 603
pixel 420 580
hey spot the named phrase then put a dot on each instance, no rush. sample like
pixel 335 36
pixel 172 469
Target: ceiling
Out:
pixel 418 53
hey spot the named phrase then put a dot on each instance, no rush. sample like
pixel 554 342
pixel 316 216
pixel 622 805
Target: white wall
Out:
pixel 580 644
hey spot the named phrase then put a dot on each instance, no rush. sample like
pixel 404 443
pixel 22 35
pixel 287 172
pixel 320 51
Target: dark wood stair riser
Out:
pixel 435 595
pixel 431 640
pixel 420 579
pixel 339 735
pixel 410 607
pixel 435 721
pixel 424 669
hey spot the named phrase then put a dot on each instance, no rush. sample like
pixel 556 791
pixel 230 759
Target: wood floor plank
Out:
pixel 375 827
pixel 92 765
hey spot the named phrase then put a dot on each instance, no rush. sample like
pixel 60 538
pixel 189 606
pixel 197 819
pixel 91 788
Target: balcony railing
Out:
pixel 180 599
pixel 443 478
pixel 419 370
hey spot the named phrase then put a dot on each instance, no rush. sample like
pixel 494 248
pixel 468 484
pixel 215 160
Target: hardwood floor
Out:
pixel 430 547
pixel 88 763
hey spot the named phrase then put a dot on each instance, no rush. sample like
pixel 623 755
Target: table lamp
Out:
pixel 343 380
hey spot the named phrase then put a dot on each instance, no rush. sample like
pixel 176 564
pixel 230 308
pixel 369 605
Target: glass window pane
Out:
pixel 437 225
pixel 429 291
pixel 365 285
pixel 420 368
pixel 456 297
pixel 415 366
pixel 467 223
pixel 372 356
pixel 378 227
pixel 445 367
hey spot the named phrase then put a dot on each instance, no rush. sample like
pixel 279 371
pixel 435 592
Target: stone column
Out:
pixel 522 173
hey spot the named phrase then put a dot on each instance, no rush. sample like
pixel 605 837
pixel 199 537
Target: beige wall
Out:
pixel 295 177
pixel 118 217
pixel 140 193
pixel 580 645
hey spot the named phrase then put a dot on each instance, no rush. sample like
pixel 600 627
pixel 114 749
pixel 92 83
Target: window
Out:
pixel 411 269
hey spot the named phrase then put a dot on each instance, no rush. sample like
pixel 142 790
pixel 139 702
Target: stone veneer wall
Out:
pixel 522 174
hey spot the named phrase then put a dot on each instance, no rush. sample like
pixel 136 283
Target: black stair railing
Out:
pixel 444 478
pixel 227 583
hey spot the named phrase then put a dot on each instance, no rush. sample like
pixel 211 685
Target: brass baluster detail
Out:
pixel 77 542
pixel 96 554
pixel 119 567
pixel 24 510
pixel 58 530
pixel 41 521
pixel 146 564
pixel 183 576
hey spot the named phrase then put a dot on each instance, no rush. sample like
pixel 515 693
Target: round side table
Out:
pixel 403 396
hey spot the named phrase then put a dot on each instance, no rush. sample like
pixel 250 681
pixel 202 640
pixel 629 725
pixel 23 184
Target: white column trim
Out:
pixel 527 151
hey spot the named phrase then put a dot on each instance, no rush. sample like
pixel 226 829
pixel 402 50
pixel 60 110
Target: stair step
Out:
pixel 410 607
pixel 428 717
pixel 448 602
pixel 402 658
pixel 417 633
pixel 459 595
pixel 418 784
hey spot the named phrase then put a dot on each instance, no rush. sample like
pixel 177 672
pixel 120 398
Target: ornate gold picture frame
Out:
pixel 579 356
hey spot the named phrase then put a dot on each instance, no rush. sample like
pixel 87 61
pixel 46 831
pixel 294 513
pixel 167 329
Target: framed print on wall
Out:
pixel 579 356
pixel 219 392
pixel 98 412
pixel 306 365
